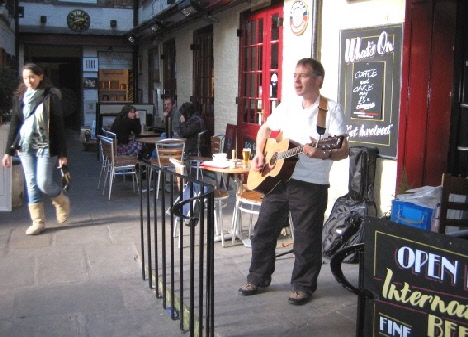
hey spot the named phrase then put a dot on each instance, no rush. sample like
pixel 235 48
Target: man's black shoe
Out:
pixel 299 297
pixel 248 289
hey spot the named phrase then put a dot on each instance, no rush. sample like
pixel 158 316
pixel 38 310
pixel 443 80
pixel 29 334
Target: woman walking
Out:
pixel 37 134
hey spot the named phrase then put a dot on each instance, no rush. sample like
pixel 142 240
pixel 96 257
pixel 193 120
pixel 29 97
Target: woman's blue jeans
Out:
pixel 38 173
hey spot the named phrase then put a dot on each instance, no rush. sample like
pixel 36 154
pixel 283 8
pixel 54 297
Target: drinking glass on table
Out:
pixel 246 156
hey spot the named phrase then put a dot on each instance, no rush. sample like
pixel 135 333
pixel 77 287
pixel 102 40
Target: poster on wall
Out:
pixel 369 89
pixel 419 281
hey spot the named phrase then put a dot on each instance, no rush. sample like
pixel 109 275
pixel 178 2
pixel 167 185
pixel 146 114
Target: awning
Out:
pixel 179 14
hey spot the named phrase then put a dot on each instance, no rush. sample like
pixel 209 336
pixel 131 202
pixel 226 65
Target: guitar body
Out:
pixel 280 160
pixel 274 170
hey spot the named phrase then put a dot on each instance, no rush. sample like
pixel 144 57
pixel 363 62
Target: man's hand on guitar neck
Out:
pixel 315 152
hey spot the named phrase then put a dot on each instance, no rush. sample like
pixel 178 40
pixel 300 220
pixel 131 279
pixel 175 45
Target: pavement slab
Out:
pixel 83 278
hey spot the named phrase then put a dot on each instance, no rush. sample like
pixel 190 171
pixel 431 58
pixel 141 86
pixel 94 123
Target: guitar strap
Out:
pixel 322 115
pixel 322 112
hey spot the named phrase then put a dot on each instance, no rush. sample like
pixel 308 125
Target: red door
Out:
pixel 427 76
pixel 261 48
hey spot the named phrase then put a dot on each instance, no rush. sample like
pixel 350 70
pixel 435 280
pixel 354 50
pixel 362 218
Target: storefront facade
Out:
pixel 235 61
pixel 255 51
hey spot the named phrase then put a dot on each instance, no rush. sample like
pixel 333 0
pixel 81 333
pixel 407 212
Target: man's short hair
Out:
pixel 317 67
pixel 170 98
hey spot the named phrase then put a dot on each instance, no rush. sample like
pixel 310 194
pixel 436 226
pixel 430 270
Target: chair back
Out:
pixel 453 202
pixel 217 144
pixel 169 148
pixel 200 142
pixel 107 147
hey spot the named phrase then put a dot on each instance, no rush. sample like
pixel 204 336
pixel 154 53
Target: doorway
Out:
pixel 65 74
pixel 427 91
pixel 169 69
pixel 260 76
pixel 203 77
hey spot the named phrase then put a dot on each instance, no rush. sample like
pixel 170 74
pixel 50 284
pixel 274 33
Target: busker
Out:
pixel 305 194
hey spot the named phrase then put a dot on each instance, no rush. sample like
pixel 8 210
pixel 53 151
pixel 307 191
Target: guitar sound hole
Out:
pixel 273 160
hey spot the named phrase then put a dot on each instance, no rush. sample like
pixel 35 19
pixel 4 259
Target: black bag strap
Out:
pixel 322 115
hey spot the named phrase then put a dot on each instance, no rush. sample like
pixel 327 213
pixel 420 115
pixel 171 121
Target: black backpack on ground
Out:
pixel 344 225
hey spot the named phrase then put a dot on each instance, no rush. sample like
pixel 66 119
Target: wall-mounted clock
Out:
pixel 78 20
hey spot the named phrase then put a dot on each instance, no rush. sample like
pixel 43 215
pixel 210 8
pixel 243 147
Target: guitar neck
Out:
pixel 290 153
pixel 324 144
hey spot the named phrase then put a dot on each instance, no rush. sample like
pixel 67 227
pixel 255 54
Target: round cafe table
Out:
pixel 239 170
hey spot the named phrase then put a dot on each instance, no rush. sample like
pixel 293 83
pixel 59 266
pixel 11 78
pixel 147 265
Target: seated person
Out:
pixel 190 125
pixel 125 125
pixel 171 118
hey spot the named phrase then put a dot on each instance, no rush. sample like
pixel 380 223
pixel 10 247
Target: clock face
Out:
pixel 78 20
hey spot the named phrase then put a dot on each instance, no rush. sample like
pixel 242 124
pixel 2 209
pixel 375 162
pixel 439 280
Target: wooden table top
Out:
pixel 145 133
pixel 239 169
pixel 148 140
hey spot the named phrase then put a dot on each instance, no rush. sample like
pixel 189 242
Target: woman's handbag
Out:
pixel 66 178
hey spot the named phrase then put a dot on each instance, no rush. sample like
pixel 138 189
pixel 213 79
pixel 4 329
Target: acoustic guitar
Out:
pixel 280 160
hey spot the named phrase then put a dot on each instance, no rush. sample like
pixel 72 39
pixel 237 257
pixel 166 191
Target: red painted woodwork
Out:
pixel 426 90
pixel 261 48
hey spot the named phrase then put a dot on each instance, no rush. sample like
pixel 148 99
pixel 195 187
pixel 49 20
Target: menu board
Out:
pixel 419 280
pixel 369 90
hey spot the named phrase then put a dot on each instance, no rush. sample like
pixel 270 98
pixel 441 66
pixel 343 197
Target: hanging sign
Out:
pixel 298 17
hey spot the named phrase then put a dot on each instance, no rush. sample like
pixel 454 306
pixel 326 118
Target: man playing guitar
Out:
pixel 305 193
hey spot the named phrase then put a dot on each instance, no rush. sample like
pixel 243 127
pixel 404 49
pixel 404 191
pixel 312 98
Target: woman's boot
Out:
pixel 36 211
pixel 62 205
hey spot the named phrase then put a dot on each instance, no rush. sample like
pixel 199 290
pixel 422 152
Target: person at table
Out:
pixel 190 125
pixel 171 118
pixel 127 125
pixel 305 194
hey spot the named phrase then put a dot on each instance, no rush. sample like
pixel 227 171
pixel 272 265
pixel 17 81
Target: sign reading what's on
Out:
pixel 419 280
pixel 370 68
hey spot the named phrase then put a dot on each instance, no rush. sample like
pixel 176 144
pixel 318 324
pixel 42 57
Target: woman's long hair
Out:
pixel 45 83
pixel 187 110
pixel 124 113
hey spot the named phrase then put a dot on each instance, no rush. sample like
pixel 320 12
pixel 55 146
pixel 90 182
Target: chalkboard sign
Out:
pixel 370 68
pixel 419 281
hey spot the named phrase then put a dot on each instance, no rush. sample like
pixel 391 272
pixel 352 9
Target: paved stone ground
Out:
pixel 83 278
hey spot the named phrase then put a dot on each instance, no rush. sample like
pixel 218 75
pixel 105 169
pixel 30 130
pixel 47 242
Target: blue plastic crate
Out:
pixel 412 215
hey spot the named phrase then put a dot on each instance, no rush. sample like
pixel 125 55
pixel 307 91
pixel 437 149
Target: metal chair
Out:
pixel 248 202
pixel 103 160
pixel 167 149
pixel 116 166
pixel 219 196
pixel 196 161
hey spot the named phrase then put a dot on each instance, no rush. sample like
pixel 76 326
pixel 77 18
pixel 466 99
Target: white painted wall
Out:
pixel 338 15
pixel 226 65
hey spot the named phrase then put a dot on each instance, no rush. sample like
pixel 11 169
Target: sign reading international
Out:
pixel 419 280
pixel 370 68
